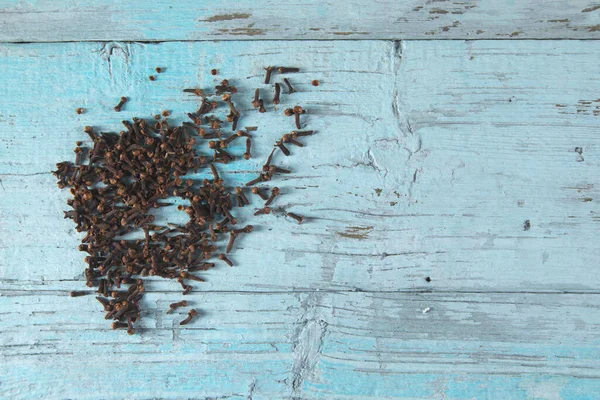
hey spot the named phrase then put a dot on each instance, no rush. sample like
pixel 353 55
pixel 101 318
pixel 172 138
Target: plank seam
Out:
pixel 300 40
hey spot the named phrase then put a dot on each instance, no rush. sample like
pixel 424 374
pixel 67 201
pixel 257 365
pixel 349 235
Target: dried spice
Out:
pixel 120 181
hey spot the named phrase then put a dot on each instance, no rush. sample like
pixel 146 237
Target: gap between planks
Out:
pixel 530 39
pixel 20 292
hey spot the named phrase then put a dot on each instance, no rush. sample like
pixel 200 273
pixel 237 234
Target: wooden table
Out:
pixel 457 140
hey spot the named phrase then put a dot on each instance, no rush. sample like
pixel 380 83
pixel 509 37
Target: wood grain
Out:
pixel 152 20
pixel 305 345
pixel 429 158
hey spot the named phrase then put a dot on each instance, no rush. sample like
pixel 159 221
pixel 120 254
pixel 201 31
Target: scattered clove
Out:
pixel 247 154
pixel 289 86
pixel 268 74
pixel 285 70
pixel 121 103
pixel 118 184
pixel 277 93
pixel 174 306
pixel 191 315
pixel 274 193
pixel 298 218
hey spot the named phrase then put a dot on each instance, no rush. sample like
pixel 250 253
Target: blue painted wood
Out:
pixel 430 157
pixel 159 20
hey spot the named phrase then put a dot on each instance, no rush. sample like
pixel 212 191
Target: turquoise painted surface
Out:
pixel 160 20
pixel 430 156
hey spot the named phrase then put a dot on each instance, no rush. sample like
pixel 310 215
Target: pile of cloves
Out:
pixel 121 180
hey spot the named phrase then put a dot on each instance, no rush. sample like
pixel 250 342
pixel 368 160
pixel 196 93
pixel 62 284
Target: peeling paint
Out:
pixel 590 9
pixel 356 232
pixel 248 31
pixel 227 17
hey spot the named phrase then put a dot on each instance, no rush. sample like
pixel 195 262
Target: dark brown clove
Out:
pixel 186 288
pixel 269 159
pixel 255 102
pixel 186 275
pixel 174 306
pixel 246 229
pixel 268 74
pixel 197 92
pixel 277 93
pixel 297 111
pixel 121 103
pixel 261 211
pixel 297 217
pixel 284 149
pixel 273 169
pixel 289 86
pixel 247 154
pixel 223 257
pixel 215 172
pixel 287 138
pixel 240 192
pixel 260 194
pixel 274 193
pixel 232 237
pixel 255 181
pixel 191 315
pixel 296 134
pixel 130 329
pixel 285 70
pixel 119 325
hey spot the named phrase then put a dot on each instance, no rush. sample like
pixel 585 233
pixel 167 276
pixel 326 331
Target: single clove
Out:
pixel 268 74
pixel 285 70
pixel 223 257
pixel 277 93
pixel 174 306
pixel 261 211
pixel 121 103
pixel 191 315
pixel 289 85
pixel 274 193
pixel 298 218
pixel 247 154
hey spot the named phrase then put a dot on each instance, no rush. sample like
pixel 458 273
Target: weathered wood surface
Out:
pixel 152 20
pixel 306 345
pixel 430 157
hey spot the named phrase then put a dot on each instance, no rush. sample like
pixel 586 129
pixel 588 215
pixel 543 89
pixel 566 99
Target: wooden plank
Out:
pixel 151 20
pixel 429 159
pixel 305 345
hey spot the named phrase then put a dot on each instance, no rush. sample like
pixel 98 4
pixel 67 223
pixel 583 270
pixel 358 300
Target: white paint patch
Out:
pixel 544 389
